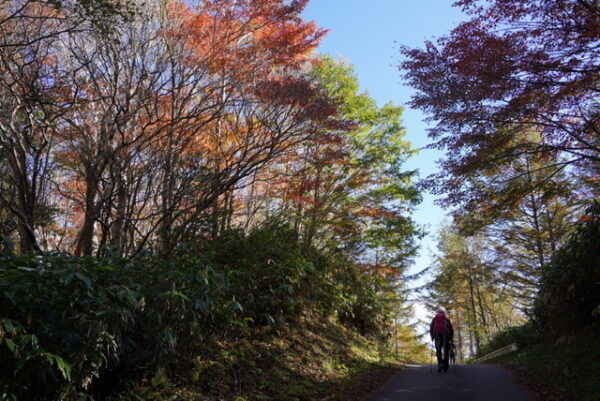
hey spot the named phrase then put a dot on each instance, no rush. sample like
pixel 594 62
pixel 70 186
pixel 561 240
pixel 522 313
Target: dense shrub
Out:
pixel 63 321
pixel 569 297
pixel 369 301
pixel 78 327
pixel 524 336
pixel 270 275
pixel 278 279
pixel 69 323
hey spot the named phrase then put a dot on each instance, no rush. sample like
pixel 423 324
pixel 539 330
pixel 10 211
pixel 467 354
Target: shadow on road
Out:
pixel 461 383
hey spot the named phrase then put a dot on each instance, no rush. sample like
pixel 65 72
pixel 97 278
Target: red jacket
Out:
pixel 448 332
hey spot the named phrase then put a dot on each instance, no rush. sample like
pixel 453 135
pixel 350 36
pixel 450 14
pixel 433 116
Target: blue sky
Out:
pixel 367 34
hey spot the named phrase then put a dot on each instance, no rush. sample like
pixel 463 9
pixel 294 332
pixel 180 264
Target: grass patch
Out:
pixel 314 360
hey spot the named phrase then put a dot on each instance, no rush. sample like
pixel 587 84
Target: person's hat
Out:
pixel 441 310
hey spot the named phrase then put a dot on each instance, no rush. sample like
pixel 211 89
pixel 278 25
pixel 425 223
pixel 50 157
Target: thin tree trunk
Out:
pixel 85 240
pixel 473 308
pixel 461 356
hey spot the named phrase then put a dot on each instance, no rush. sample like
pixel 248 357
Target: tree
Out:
pixel 346 192
pixel 255 52
pixel 515 67
pixel 31 90
pixel 569 302
pixel 525 209
pixel 469 282
pixel 62 16
pixel 348 189
pixel 159 136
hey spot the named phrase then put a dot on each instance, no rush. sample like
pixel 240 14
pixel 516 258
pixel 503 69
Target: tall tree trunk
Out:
pixel 27 202
pixel 472 351
pixel 536 223
pixel 85 240
pixel 118 234
pixel 473 308
pixel 167 198
pixel 482 313
pixel 461 356
pixel 27 239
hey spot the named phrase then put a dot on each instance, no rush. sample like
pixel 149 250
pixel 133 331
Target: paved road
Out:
pixel 461 383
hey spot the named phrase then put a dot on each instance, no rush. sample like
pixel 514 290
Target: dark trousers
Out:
pixel 442 351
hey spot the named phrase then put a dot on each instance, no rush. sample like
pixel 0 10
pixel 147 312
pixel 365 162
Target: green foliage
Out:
pixel 64 320
pixel 361 198
pixel 276 278
pixel 68 322
pixel 558 370
pixel 524 336
pixel 569 298
pixel 558 347
pixel 369 303
pixel 268 270
pixel 526 210
pixel 469 283
pixel 369 211
pixel 72 327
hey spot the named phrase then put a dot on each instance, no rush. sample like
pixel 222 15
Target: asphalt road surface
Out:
pixel 461 383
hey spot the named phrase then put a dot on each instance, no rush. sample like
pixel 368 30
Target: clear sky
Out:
pixel 367 34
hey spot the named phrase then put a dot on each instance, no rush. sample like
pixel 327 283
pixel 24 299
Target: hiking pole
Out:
pixel 431 361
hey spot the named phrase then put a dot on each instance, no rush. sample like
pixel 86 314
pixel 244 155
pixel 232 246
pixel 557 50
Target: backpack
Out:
pixel 440 325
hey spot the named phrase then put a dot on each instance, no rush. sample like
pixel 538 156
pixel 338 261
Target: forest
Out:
pixel 178 180
pixel 196 204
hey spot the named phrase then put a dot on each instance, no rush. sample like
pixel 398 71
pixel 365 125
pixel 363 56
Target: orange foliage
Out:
pixel 380 270
pixel 247 37
pixel 376 212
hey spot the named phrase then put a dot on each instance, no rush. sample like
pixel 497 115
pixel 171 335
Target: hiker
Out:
pixel 442 333
pixel 452 353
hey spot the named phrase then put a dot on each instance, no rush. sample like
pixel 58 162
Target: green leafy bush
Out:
pixel 278 278
pixel 72 328
pixel 270 276
pixel 369 301
pixel 63 321
pixel 569 297
pixel 69 323
pixel 524 336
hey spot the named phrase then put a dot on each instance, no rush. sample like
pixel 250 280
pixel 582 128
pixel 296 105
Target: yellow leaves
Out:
pixel 376 212
pixel 382 271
